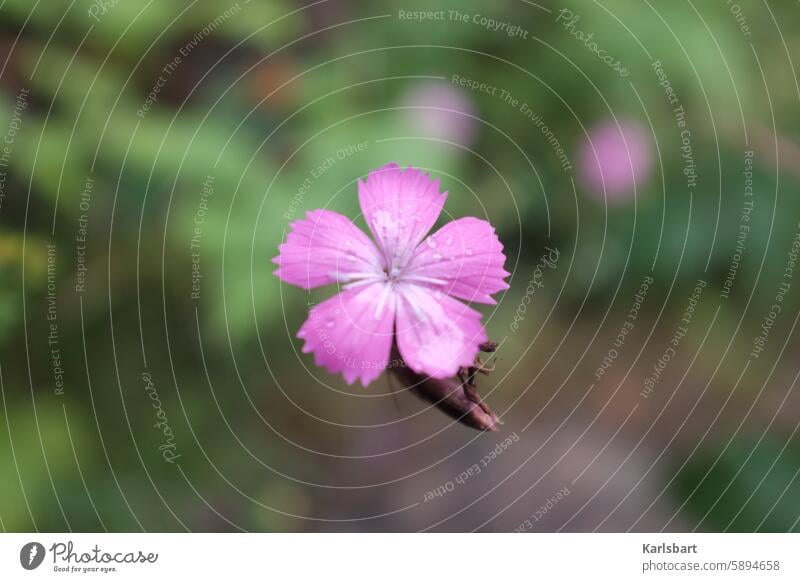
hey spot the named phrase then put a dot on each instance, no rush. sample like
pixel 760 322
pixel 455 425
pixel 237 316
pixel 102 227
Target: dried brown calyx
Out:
pixel 457 397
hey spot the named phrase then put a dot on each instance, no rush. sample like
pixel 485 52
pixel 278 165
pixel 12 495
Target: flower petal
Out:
pixel 436 334
pixel 464 258
pixel 351 332
pixel 400 207
pixel 324 248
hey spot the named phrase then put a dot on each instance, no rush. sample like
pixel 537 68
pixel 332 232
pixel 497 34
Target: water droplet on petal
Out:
pixel 437 257
pixel 330 323
pixel 468 252
pixel 430 242
pixel 449 240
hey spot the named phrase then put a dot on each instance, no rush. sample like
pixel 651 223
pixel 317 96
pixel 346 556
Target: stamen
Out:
pixel 363 282
pixel 421 315
pixel 344 277
pixel 387 291
pixel 411 295
pixel 423 279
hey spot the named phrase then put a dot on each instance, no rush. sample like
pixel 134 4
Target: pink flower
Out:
pixel 402 288
pixel 614 159
pixel 441 111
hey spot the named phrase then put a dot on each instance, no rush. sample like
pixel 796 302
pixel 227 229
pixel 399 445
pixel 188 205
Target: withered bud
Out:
pixel 488 347
pixel 448 395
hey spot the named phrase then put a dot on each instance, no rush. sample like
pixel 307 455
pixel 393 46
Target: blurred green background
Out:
pixel 155 152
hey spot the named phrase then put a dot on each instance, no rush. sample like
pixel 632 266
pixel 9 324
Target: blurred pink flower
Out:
pixel 402 287
pixel 615 158
pixel 441 111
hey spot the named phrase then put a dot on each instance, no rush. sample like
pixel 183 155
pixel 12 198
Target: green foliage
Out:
pixel 148 101
pixel 748 485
